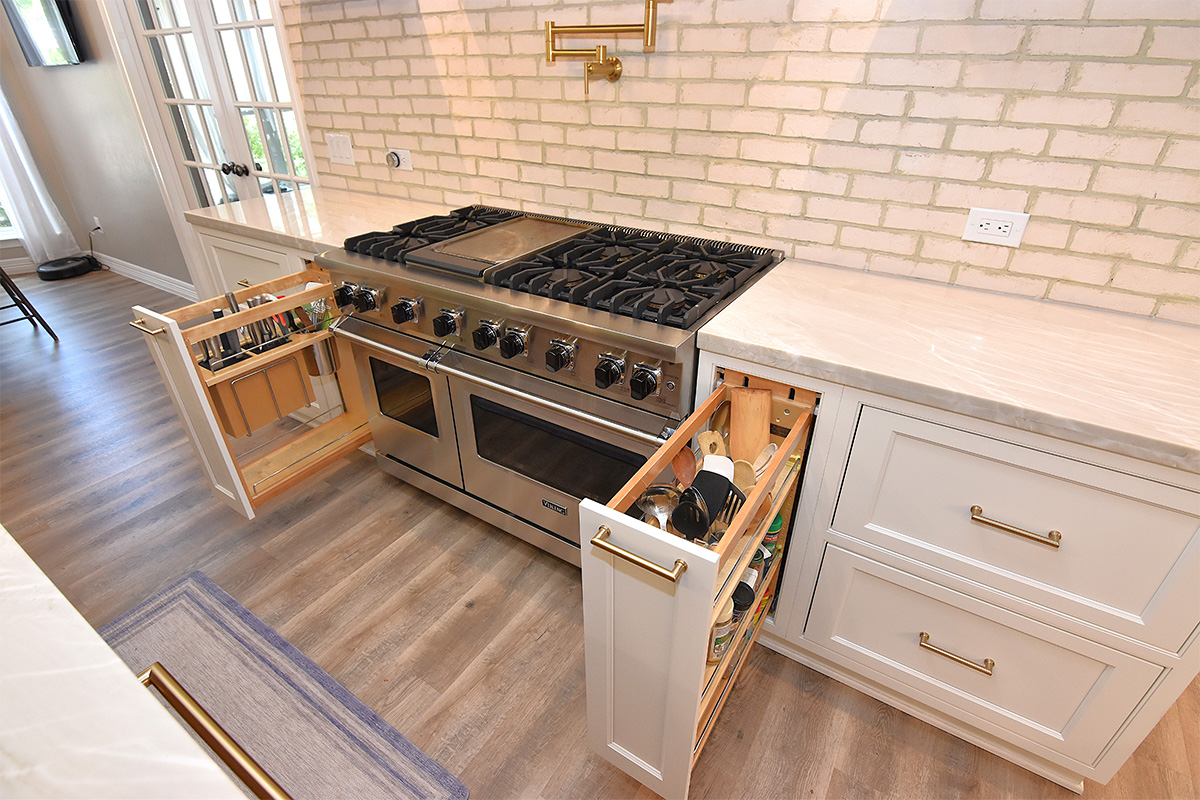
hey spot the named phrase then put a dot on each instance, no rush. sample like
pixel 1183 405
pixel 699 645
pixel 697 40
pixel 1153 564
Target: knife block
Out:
pixel 251 401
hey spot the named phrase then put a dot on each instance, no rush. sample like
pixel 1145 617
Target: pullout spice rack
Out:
pixel 241 397
pixel 651 599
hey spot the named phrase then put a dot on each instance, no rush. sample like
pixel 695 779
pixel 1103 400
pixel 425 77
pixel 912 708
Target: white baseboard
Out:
pixel 18 266
pixel 150 277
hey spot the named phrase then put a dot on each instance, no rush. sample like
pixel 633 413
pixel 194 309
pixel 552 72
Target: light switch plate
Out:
pixel 991 226
pixel 340 151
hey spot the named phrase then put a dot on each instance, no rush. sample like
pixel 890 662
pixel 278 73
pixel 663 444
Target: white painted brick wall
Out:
pixel 850 132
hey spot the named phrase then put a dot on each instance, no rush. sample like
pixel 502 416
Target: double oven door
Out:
pixel 527 446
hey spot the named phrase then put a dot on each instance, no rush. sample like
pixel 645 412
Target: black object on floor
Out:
pixel 21 302
pixel 68 267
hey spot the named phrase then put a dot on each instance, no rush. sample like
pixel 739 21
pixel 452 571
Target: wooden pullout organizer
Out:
pixel 242 397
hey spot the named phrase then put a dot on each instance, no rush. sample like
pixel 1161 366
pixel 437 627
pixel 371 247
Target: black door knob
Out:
pixel 444 324
pixel 404 311
pixel 343 295
pixel 609 372
pixel 559 356
pixel 643 383
pixel 512 344
pixel 484 337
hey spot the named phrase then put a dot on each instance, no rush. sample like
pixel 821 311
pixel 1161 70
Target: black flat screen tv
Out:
pixel 45 31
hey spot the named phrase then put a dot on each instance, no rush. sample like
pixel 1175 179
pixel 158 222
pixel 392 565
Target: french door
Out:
pixel 225 96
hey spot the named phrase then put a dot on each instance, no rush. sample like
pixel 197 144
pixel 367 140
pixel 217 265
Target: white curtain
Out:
pixel 42 229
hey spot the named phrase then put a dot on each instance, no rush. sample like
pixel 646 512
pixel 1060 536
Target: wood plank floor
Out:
pixel 467 640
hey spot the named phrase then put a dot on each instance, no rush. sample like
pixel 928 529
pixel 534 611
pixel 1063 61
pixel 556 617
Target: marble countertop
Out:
pixel 1114 381
pixel 74 721
pixel 312 219
pixel 1122 383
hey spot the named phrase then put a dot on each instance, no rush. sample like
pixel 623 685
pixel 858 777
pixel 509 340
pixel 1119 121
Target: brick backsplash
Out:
pixel 848 132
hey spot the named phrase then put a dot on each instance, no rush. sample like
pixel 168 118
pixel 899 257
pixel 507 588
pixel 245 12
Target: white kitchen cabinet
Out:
pixel 238 262
pixel 651 600
pixel 1101 628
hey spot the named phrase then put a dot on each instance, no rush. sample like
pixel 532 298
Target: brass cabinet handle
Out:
pixel 140 324
pixel 244 282
pixel 986 667
pixel 238 760
pixel 1051 539
pixel 601 540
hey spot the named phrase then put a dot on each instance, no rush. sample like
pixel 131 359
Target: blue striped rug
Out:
pixel 311 735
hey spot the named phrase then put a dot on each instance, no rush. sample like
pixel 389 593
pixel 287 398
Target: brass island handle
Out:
pixel 601 540
pixel 986 667
pixel 241 763
pixel 140 324
pixel 1051 539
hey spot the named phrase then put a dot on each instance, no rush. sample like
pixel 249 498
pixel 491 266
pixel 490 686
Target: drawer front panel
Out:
pixel 1066 693
pixel 1129 549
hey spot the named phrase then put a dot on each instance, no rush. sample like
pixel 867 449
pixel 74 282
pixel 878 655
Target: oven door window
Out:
pixel 405 396
pixel 558 457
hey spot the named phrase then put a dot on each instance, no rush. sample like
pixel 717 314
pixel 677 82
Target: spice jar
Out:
pixel 721 634
pixel 757 560
pixel 743 598
pixel 771 539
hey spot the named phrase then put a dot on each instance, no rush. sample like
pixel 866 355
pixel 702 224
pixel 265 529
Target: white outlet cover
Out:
pixel 399 159
pixel 340 151
pixel 991 226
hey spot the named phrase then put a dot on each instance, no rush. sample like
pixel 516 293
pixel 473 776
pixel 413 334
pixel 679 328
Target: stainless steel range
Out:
pixel 518 363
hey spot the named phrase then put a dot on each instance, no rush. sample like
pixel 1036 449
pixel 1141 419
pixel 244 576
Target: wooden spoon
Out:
pixel 684 466
pixel 743 476
pixel 711 444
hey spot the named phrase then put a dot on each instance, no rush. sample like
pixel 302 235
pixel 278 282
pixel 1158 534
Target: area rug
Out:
pixel 305 729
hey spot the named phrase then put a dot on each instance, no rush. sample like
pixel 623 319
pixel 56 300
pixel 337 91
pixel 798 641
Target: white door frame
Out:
pixel 205 277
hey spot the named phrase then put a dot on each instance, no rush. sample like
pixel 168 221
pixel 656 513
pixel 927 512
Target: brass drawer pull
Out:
pixel 986 667
pixel 1051 539
pixel 140 324
pixel 244 282
pixel 223 745
pixel 601 540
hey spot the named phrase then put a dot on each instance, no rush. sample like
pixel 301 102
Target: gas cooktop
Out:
pixel 668 280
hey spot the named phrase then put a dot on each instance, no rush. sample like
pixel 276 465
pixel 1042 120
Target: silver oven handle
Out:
pixel 499 388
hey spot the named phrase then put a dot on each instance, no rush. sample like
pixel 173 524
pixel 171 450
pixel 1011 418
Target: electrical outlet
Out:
pixel 96 225
pixel 340 151
pixel 399 159
pixel 991 226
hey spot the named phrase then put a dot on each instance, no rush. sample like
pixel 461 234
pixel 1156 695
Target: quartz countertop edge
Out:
pixel 311 219
pixel 1117 382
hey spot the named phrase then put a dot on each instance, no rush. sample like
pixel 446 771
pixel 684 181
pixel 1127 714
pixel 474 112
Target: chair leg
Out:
pixel 21 302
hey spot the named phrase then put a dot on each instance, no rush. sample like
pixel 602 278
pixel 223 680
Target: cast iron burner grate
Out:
pixel 665 305
pixel 393 244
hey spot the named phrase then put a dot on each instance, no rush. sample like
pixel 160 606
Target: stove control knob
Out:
pixel 561 355
pixel 512 343
pixel 344 295
pixel 406 309
pixel 366 299
pixel 447 322
pixel 485 336
pixel 610 371
pixel 645 381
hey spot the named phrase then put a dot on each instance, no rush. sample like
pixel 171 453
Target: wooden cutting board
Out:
pixel 749 422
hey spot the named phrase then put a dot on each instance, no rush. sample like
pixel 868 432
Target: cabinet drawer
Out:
pixel 1049 687
pixel 1129 549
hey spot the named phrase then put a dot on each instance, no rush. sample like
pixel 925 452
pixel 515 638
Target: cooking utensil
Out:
pixel 720 420
pixel 749 422
pixel 658 501
pixel 744 476
pixel 684 466
pixel 764 459
pixel 711 444
pixel 700 503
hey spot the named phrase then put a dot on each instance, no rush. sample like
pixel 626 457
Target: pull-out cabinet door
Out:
pixel 219 403
pixel 177 368
pixel 650 600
